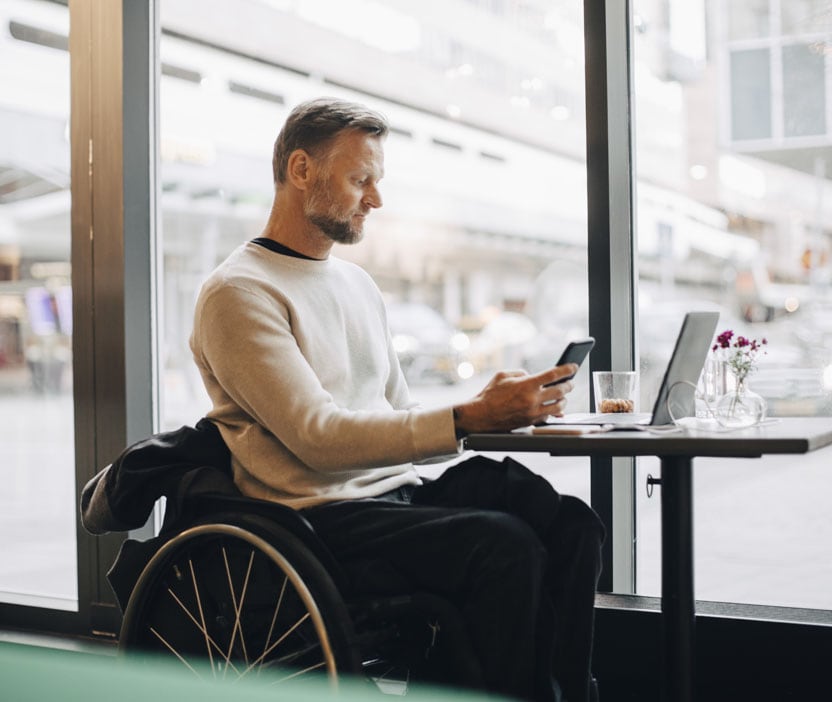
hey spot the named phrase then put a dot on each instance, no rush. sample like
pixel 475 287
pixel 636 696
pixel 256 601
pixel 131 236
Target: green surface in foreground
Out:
pixel 45 675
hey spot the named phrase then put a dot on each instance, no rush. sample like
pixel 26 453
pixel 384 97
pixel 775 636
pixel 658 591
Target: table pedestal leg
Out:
pixel 678 608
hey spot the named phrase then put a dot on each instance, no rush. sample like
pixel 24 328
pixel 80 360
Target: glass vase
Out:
pixel 712 386
pixel 740 407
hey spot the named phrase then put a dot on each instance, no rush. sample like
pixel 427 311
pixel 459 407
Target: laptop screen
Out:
pixel 677 391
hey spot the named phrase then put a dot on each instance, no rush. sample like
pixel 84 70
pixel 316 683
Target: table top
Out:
pixel 781 435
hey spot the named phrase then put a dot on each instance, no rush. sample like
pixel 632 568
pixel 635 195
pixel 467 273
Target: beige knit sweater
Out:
pixel 306 388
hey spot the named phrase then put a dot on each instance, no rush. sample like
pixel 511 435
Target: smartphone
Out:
pixel 575 352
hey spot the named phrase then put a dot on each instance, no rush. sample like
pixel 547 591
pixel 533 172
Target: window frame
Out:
pixel 113 78
pixel 612 261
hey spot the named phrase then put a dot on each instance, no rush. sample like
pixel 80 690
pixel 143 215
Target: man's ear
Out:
pixel 300 169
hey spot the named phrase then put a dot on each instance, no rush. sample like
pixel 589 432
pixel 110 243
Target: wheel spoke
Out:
pixel 237 607
pixel 203 627
pixel 289 657
pixel 193 619
pixel 300 672
pixel 275 644
pixel 274 616
pixel 175 652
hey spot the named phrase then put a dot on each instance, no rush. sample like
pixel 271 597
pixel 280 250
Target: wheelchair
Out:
pixel 234 587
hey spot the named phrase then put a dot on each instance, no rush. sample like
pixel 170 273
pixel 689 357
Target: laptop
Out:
pixel 685 365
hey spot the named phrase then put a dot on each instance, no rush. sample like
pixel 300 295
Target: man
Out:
pixel 294 350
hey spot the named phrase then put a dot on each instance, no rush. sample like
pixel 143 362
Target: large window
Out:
pixel 480 247
pixel 733 145
pixel 483 233
pixel 37 512
pixel 481 243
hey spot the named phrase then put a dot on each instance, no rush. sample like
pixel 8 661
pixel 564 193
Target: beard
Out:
pixel 330 218
pixel 341 231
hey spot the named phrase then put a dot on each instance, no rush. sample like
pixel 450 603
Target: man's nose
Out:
pixel 373 197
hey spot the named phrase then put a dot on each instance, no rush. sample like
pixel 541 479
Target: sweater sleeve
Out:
pixel 397 391
pixel 252 364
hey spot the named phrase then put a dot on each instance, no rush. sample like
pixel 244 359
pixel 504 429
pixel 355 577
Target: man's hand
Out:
pixel 515 399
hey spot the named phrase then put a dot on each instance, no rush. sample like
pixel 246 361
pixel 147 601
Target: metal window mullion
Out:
pixel 140 111
pixel 139 146
pixel 611 257
pixel 82 291
pixel 111 222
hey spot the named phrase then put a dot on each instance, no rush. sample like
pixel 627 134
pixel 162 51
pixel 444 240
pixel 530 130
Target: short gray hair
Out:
pixel 312 125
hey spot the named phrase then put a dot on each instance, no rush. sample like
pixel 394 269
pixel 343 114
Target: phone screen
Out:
pixel 575 352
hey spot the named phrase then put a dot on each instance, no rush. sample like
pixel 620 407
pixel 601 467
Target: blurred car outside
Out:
pixel 501 340
pixel 795 375
pixel 762 300
pixel 509 340
pixel 428 347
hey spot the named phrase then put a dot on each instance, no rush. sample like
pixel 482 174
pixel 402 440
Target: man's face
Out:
pixel 346 187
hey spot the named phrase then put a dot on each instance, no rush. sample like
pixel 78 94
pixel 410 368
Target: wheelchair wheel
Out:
pixel 240 598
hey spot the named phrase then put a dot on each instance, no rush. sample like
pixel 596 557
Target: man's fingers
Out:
pixel 505 376
pixel 556 374
pixel 511 373
pixel 556 408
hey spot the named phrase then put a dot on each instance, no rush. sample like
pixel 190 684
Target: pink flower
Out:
pixel 723 341
pixel 743 356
